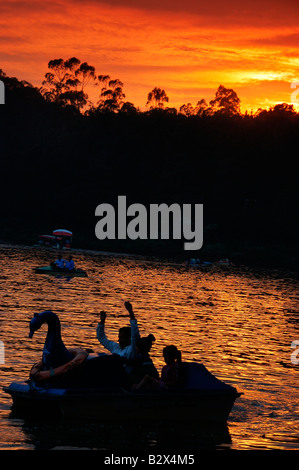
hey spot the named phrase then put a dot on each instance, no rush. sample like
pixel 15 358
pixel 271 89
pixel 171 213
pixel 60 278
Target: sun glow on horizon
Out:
pixel 187 54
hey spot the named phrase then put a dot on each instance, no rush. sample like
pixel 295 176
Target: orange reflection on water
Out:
pixel 239 324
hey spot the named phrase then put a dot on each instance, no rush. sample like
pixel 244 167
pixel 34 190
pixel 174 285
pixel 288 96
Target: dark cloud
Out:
pixel 31 6
pixel 218 12
pixel 11 38
pixel 250 12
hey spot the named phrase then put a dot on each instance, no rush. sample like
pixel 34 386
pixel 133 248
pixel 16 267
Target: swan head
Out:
pixel 35 324
pixel 44 317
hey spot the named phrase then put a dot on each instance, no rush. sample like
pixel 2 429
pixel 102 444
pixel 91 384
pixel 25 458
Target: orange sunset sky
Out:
pixel 187 47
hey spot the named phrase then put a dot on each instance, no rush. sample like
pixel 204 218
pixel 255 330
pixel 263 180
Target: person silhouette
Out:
pixel 127 335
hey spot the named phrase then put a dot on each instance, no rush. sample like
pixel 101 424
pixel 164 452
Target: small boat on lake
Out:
pixel 225 263
pixel 98 389
pixel 207 265
pixel 72 384
pixel 196 263
pixel 60 272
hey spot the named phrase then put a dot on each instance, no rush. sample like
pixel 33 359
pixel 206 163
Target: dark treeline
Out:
pixel 58 163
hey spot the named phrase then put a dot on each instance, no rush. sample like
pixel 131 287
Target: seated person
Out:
pixel 142 364
pixel 169 374
pixel 39 374
pixel 70 265
pixel 171 370
pixel 59 263
pixel 126 346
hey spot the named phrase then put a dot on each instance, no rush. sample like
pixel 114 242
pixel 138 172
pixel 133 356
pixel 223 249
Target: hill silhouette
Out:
pixel 58 164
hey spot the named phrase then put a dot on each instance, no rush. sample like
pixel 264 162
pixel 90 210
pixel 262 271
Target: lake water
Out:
pixel 239 323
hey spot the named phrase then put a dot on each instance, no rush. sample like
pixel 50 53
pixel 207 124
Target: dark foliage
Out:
pixel 57 165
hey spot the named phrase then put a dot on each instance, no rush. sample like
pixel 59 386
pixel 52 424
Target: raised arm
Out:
pixel 112 346
pixel 134 328
pixel 129 307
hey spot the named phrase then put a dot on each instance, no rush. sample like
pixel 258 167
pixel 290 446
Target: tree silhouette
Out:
pixel 129 108
pixel 187 109
pixel 85 74
pixel 280 110
pixel 120 147
pixel 65 82
pixel 156 98
pixel 111 96
pixel 226 101
pixel 201 109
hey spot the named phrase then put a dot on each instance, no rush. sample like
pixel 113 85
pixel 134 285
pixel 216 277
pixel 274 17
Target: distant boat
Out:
pixel 60 272
pixel 49 241
pixel 66 236
pixel 61 232
pixel 224 262
pixel 60 238
pixel 199 264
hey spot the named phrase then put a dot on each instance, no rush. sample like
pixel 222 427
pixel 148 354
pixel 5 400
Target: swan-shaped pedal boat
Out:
pixel 72 384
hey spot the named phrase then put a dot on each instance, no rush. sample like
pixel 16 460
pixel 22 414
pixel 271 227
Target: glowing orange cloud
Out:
pixel 187 48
